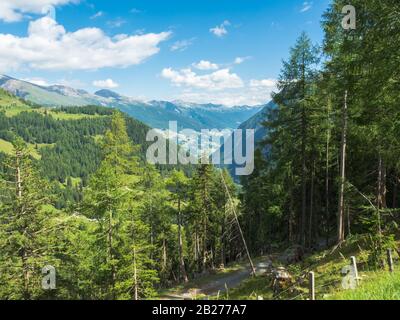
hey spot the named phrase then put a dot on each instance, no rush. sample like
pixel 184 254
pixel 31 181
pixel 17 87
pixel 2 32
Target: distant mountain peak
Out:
pixel 67 91
pixel 105 93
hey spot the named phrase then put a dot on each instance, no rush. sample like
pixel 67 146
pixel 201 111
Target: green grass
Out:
pixel 76 181
pixel 7 148
pixel 11 105
pixel 380 285
pixel 58 115
pixel 327 266
pixel 251 288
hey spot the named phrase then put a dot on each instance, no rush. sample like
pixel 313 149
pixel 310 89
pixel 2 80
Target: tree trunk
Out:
pixel 303 158
pixel 18 175
pixel 204 258
pixel 151 240
pixel 303 182
pixel 110 252
pixel 328 138
pixel 222 239
pixel 25 271
pixel 311 217
pixel 395 191
pixel 348 219
pixel 164 255
pixel 181 258
pixel 343 145
pixel 381 191
pixel 381 196
pixel 135 277
pixel 291 214
pixel 196 257
pixel 212 255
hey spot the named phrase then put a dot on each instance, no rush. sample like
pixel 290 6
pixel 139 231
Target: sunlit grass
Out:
pixel 381 285
pixel 34 149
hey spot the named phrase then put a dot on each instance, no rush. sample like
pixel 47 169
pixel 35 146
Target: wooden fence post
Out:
pixel 390 260
pixel 311 277
pixel 355 271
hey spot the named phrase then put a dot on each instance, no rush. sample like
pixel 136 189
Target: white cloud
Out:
pixel 14 10
pixel 240 60
pixel 306 6
pixel 232 97
pixel 221 30
pixel 38 81
pixel 266 83
pixel 218 80
pixel 182 45
pixel 205 65
pixel 49 46
pixel 73 83
pixel 97 15
pixel 106 84
pixel 252 93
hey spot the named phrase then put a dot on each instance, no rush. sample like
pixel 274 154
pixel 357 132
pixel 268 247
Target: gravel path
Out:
pixel 219 285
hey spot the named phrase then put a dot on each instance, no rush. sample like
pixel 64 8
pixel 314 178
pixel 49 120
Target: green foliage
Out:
pixel 25 237
pixel 377 286
pixel 292 197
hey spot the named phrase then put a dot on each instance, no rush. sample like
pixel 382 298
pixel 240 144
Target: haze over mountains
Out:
pixel 156 114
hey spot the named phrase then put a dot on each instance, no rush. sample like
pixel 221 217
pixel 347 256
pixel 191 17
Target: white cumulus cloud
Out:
pixel 266 83
pixel 205 65
pixel 14 10
pixel 221 30
pixel 253 93
pixel 106 84
pixel 218 80
pixel 49 46
pixel 198 89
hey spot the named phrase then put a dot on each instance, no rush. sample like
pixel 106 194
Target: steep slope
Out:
pixel 256 122
pixel 65 140
pixel 47 96
pixel 10 104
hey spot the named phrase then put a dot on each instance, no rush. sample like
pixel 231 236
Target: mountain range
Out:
pixel 156 114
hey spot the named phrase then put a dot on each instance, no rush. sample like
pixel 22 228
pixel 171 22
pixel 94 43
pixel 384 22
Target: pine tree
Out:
pixel 109 200
pixel 178 185
pixel 25 245
pixel 296 86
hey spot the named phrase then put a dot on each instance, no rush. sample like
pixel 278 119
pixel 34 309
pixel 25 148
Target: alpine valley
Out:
pixel 155 114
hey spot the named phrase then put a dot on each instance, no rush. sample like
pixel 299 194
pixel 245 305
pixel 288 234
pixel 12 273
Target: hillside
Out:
pixel 260 133
pixel 155 114
pixel 65 142
pixel 375 281
pixel 12 105
pixel 256 122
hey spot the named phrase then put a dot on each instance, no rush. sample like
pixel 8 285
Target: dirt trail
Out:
pixel 219 285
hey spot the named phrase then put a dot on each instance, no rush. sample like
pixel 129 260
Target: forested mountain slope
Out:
pixel 66 142
pixel 112 225
pixel 256 122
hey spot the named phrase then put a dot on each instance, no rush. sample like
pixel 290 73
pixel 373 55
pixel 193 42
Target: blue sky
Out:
pixel 199 50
